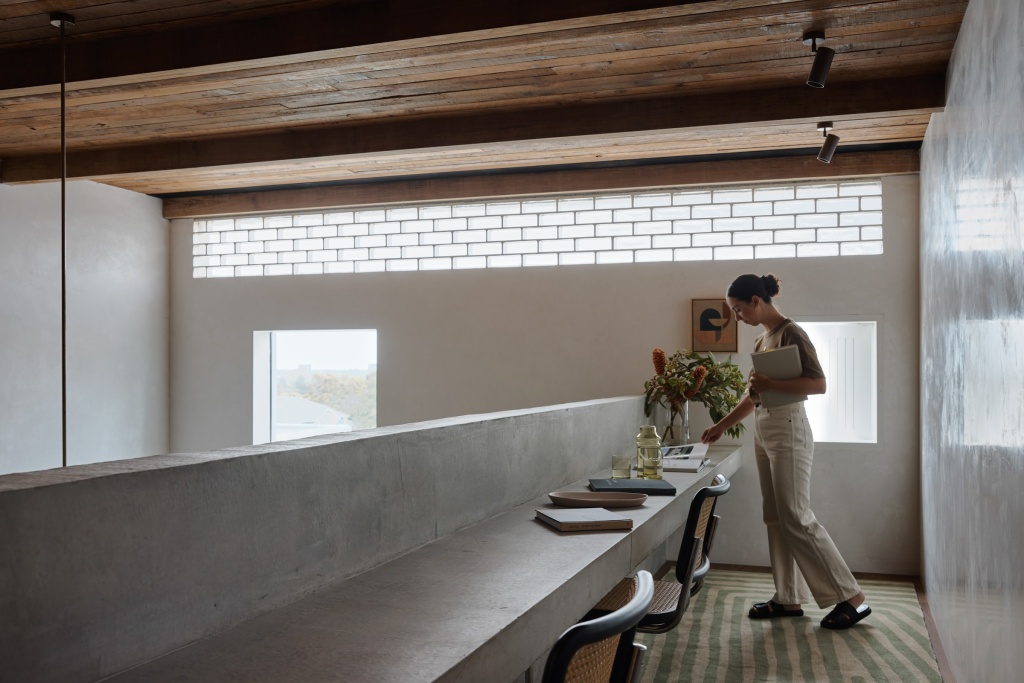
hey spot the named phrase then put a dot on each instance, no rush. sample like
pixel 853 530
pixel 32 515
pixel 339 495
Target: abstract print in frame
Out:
pixel 713 325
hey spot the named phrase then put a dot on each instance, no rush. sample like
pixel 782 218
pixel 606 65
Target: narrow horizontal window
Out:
pixel 811 219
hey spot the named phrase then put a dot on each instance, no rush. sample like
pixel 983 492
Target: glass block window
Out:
pixel 784 220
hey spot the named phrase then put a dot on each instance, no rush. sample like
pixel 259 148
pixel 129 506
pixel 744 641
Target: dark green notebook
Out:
pixel 652 487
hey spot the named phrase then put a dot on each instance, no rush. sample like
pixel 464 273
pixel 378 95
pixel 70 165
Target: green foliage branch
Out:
pixel 719 386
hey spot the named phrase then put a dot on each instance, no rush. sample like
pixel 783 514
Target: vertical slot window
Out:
pixel 848 411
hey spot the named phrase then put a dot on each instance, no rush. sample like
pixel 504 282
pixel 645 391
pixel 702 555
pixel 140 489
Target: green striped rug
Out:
pixel 717 642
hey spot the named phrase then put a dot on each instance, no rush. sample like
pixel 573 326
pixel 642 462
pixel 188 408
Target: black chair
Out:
pixel 672 598
pixel 602 650
pixel 710 525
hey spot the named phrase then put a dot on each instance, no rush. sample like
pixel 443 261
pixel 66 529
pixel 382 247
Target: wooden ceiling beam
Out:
pixel 115 47
pixel 711 111
pixel 228 38
pixel 475 187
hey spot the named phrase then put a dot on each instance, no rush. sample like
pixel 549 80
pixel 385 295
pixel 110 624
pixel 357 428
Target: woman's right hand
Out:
pixel 712 434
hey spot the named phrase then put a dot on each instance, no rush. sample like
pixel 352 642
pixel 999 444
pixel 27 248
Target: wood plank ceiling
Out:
pixel 181 97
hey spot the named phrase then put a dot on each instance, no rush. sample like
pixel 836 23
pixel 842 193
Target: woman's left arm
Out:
pixel 798 385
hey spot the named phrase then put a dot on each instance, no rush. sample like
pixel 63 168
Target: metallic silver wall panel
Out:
pixel 972 349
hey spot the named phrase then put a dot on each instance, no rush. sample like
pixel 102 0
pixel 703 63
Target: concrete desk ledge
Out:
pixel 481 604
pixel 402 553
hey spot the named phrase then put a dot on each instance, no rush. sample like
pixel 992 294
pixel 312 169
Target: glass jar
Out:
pixel 649 464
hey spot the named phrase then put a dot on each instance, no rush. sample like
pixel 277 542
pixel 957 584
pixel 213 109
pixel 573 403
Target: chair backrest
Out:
pixel 699 524
pixel 684 574
pixel 601 650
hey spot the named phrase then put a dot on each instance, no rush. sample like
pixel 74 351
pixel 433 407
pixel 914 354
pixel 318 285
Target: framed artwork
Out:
pixel 713 325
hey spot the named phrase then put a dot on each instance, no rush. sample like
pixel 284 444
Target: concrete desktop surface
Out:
pixel 121 568
pixel 482 604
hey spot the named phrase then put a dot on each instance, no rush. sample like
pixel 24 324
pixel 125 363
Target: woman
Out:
pixel 805 562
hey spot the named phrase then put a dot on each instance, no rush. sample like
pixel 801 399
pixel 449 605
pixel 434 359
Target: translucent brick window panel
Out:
pixel 811 219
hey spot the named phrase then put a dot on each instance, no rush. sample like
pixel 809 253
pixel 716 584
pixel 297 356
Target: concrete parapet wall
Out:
pixel 105 566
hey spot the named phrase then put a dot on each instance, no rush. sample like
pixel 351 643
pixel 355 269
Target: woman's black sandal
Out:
pixel 844 615
pixel 772 610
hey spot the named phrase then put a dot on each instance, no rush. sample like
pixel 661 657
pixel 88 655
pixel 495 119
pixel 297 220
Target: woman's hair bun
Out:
pixel 771 284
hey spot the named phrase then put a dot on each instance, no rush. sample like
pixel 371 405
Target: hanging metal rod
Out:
pixel 63 21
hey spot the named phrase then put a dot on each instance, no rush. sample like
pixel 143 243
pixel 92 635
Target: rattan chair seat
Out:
pixel 621 594
pixel 666 597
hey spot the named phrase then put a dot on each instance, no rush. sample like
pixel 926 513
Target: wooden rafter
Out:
pixel 473 187
pixel 178 96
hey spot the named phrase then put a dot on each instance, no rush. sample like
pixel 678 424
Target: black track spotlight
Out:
pixel 828 148
pixel 822 58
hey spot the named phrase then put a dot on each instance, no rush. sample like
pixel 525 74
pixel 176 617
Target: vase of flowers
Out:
pixel 687 376
pixel 673 421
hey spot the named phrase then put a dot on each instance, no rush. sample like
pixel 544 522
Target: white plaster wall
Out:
pixel 117 298
pixel 866 495
pixel 460 342
pixel 972 181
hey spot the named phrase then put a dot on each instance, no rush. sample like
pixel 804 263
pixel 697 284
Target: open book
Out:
pixel 781 363
pixel 686 450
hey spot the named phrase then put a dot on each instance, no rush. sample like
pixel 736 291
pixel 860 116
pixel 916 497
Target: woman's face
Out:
pixel 748 312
